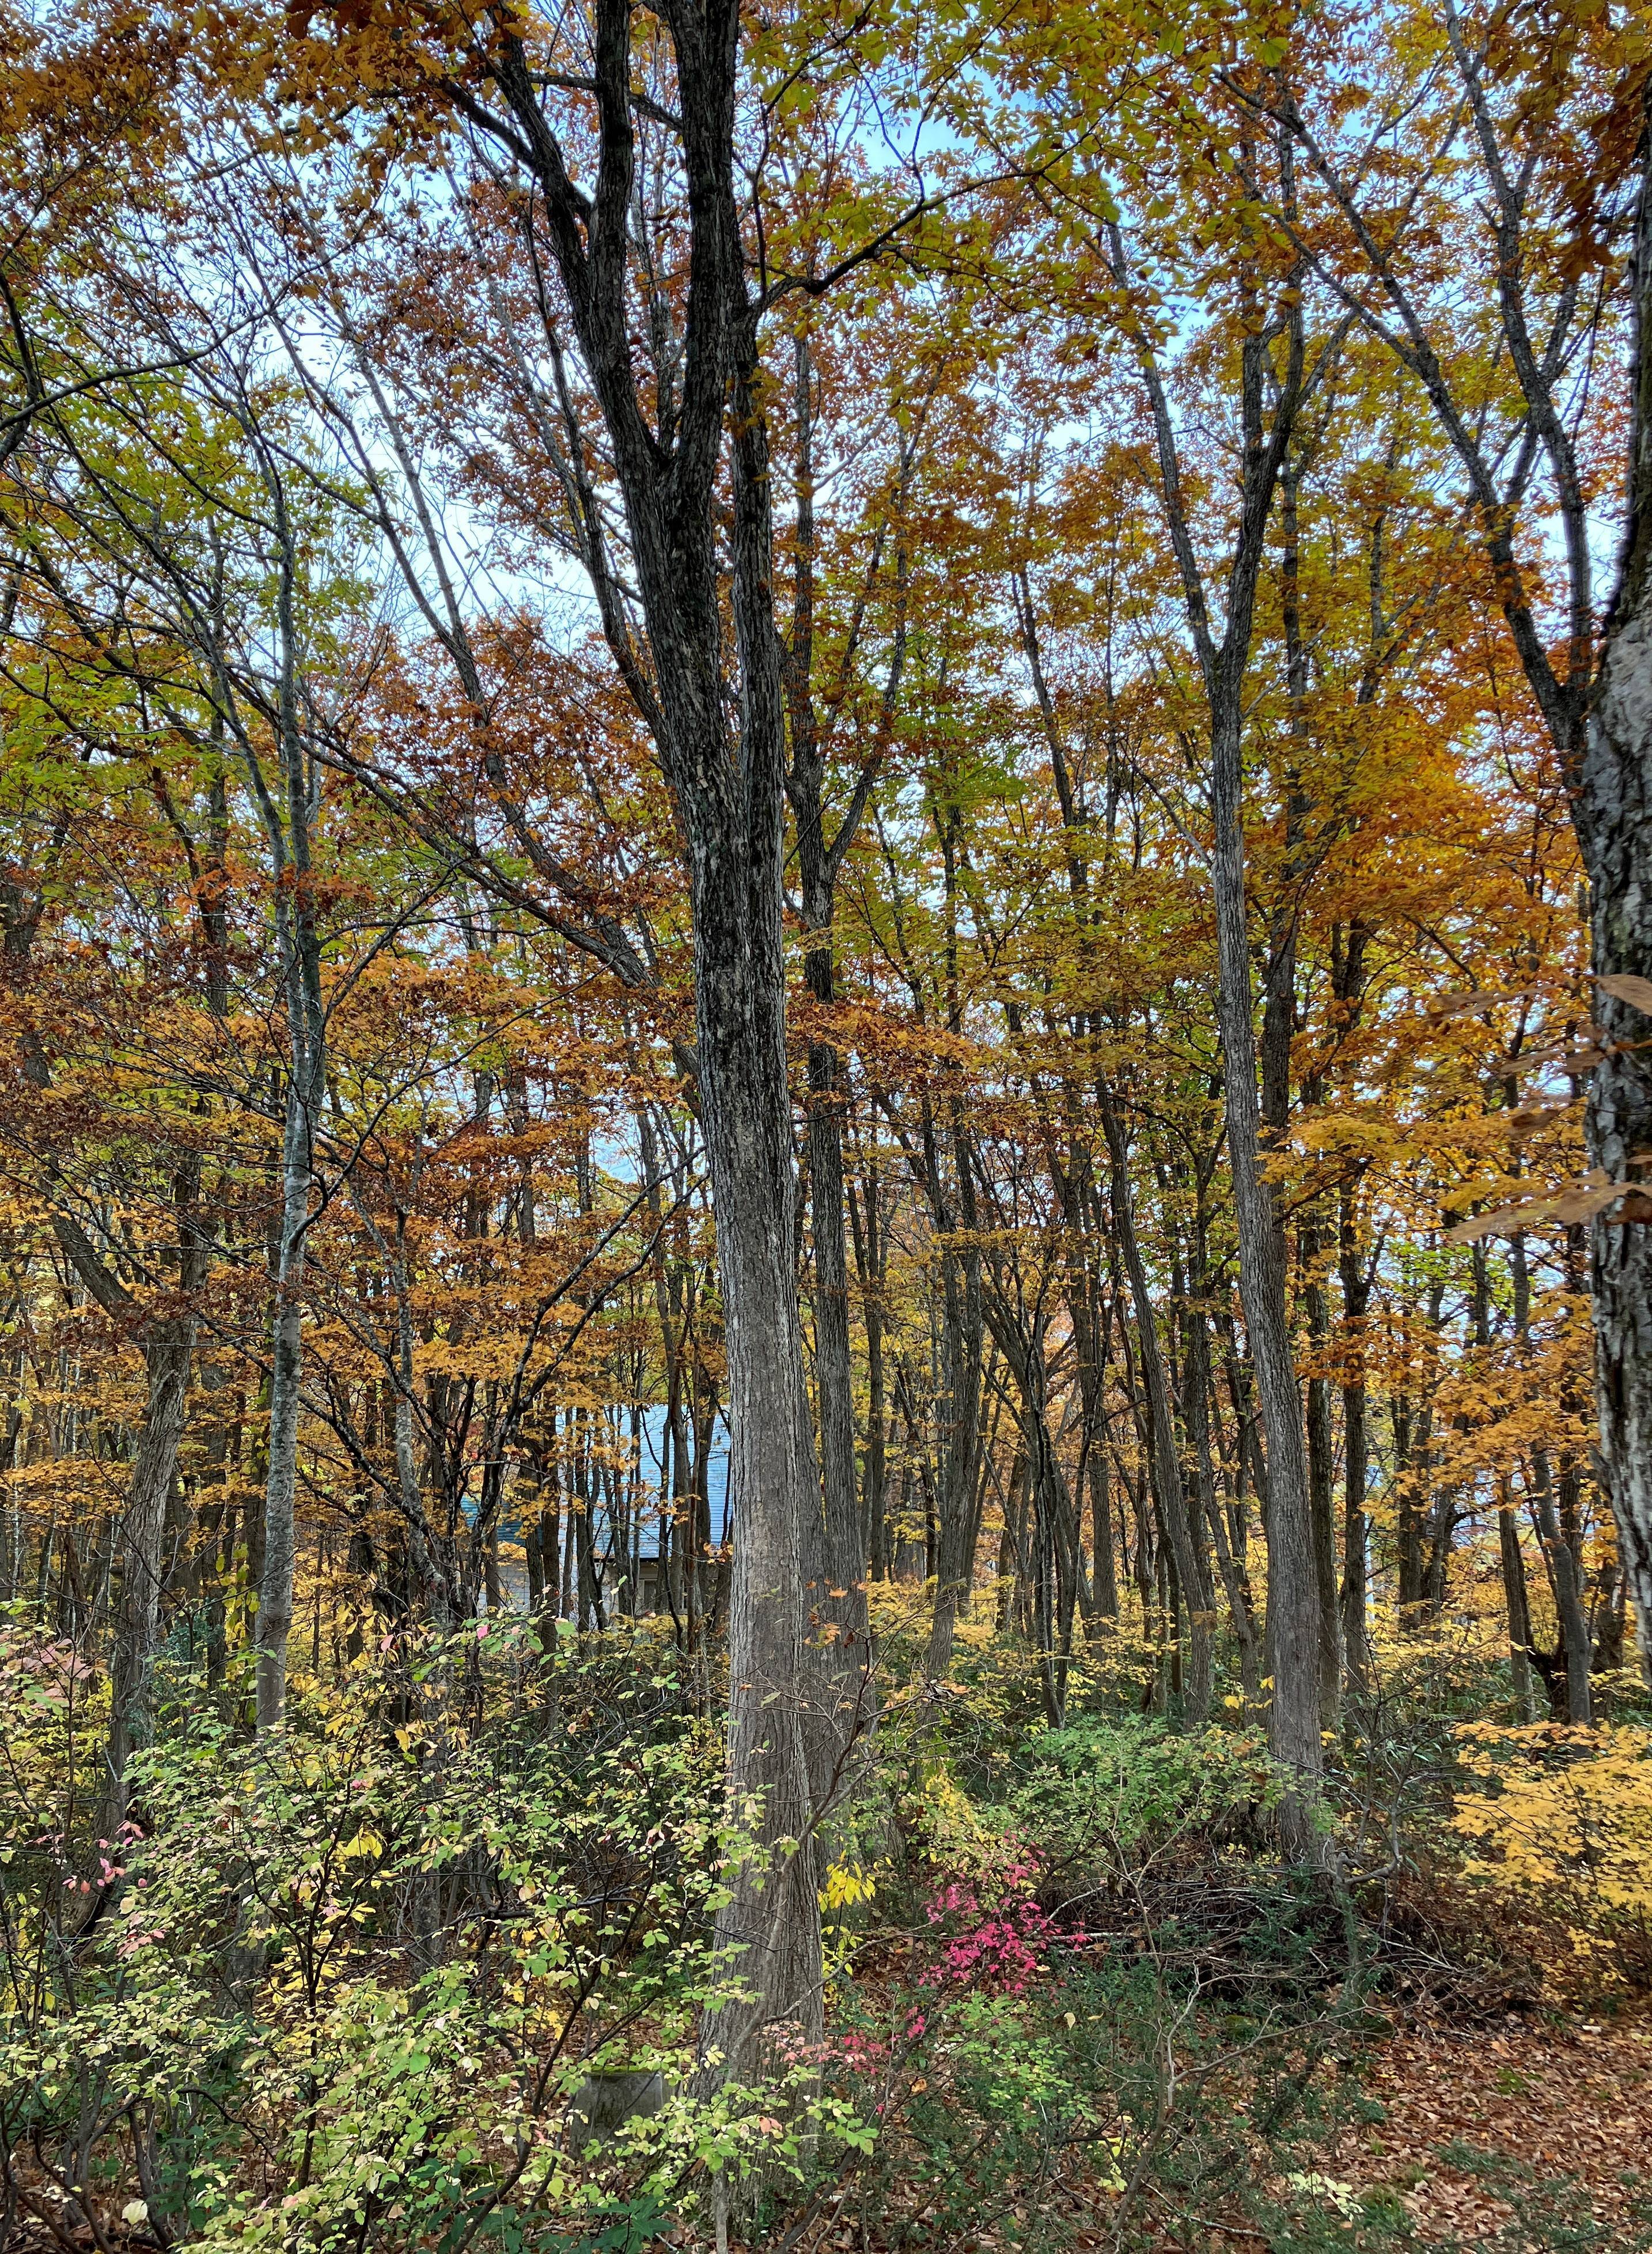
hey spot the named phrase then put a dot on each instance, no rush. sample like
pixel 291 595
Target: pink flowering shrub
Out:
pixel 994 1932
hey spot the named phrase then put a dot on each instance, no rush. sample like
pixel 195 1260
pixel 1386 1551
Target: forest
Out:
pixel 826 1088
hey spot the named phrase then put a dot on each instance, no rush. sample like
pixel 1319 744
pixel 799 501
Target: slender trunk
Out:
pixel 1566 1582
pixel 1559 1558
pixel 954 1561
pixel 1293 1642
pixel 841 1654
pixel 1293 1606
pixel 280 1547
pixel 1515 1602
pixel 868 1258
pixel 1192 1571
pixel 1091 1338
pixel 168 1350
pixel 1355 1276
pixel 287 831
pixel 1321 1469
pixel 1196 1385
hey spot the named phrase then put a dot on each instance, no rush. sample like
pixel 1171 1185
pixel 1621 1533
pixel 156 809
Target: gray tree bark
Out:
pixel 1615 824
pixel 720 727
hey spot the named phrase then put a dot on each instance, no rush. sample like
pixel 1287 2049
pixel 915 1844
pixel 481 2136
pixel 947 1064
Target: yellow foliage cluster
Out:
pixel 1564 1828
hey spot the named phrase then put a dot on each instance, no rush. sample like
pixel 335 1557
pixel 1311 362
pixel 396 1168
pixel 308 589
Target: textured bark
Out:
pixel 727 775
pixel 1615 825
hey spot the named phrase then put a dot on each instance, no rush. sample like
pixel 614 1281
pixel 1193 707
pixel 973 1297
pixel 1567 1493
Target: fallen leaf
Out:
pixel 1623 986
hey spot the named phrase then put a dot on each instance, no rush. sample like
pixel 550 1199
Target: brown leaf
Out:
pixel 1567 1055
pixel 1586 1201
pixel 1487 1224
pixel 1531 1116
pixel 1579 1200
pixel 1624 987
pixel 1463 1006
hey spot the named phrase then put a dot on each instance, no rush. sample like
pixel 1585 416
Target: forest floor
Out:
pixel 1525 2133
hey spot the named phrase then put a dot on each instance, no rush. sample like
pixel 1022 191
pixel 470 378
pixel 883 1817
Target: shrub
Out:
pixel 1564 1828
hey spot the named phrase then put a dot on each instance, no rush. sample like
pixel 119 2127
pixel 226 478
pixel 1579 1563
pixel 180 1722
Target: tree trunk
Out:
pixel 1196 1385
pixel 1294 1612
pixel 1192 1571
pixel 869 1264
pixel 1514 1603
pixel 1321 1473
pixel 840 1644
pixel 168 1351
pixel 954 1544
pixel 1615 824
pixel 1355 1276
pixel 287 817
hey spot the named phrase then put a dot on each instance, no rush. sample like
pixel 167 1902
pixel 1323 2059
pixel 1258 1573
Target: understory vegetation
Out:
pixel 371 1984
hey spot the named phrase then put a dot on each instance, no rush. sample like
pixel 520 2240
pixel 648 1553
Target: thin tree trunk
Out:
pixel 1293 1613
pixel 869 1264
pixel 1321 1467
pixel 1515 1602
pixel 1193 1569
pixel 1355 1276
pixel 286 826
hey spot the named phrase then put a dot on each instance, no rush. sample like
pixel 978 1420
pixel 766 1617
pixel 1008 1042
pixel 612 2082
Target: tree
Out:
pixel 658 111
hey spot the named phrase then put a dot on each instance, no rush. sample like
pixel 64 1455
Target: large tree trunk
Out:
pixel 1615 823
pixel 774 1918
pixel 694 472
